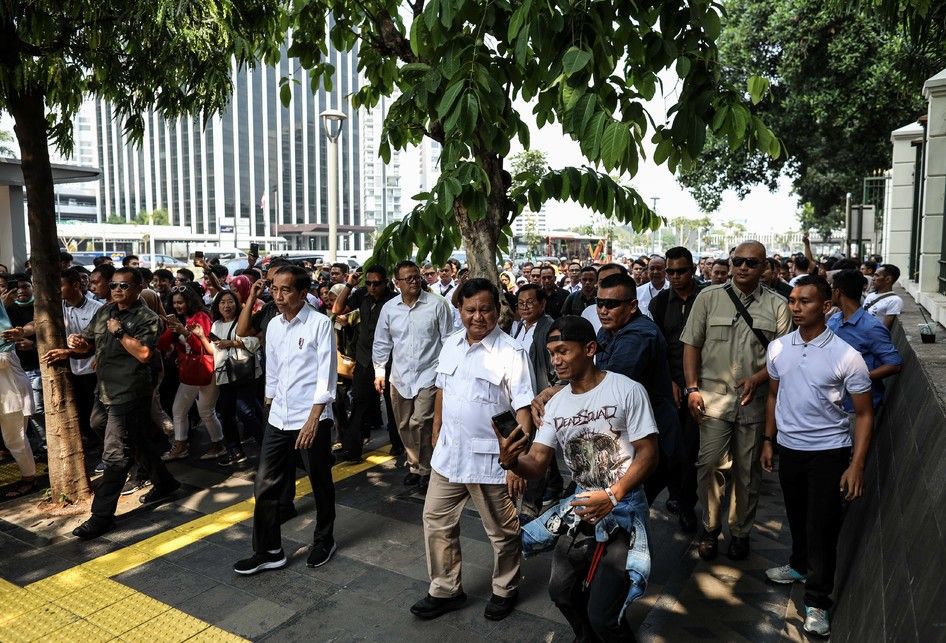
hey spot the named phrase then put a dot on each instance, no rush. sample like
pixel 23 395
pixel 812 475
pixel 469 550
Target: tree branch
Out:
pixel 392 40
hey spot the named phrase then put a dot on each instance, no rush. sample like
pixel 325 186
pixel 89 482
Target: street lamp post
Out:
pixel 332 120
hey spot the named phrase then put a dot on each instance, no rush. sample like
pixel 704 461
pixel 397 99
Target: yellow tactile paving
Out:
pixel 83 604
pixel 10 473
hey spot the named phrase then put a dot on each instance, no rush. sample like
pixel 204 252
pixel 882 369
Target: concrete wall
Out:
pixel 890 580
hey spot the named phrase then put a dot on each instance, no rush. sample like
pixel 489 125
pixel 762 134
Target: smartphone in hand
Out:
pixel 506 423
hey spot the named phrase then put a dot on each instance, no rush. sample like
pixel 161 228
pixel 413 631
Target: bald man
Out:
pixel 725 339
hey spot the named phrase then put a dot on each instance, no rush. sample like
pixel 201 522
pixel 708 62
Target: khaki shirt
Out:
pixel 730 351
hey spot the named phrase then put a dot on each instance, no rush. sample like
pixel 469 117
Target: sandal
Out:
pixel 25 487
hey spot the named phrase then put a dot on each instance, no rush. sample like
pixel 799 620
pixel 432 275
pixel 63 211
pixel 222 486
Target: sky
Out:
pixel 760 211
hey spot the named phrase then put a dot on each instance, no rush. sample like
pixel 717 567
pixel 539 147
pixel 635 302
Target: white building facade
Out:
pixel 381 182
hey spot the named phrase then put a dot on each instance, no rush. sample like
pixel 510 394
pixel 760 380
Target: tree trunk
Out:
pixel 67 477
pixel 480 237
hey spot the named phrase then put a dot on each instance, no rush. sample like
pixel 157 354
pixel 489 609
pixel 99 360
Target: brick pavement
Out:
pixel 364 593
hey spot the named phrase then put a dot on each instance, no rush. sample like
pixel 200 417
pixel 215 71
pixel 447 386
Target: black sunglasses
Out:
pixel 678 271
pixel 116 285
pixel 610 304
pixel 749 261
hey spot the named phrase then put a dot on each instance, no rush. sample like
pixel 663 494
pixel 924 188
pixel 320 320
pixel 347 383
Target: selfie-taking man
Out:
pixel 604 425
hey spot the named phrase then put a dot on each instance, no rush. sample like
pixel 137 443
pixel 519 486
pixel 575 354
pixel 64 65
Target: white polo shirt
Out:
pixel 478 381
pixel 301 367
pixel 812 379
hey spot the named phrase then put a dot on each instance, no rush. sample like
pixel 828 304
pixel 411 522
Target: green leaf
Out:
pixel 711 24
pixel 575 60
pixel 758 87
pixel 518 19
pixel 447 11
pixel 719 117
pixel 285 94
pixel 614 142
pixel 450 97
pixel 591 137
pixel 683 66
pixel 662 152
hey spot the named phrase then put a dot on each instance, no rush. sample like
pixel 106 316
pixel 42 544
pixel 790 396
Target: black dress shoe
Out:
pixel 499 607
pixel 430 607
pixel 687 520
pixel 157 494
pixel 93 528
pixel 411 479
pixel 738 548
pixel 423 483
pixel 709 544
pixel 346 457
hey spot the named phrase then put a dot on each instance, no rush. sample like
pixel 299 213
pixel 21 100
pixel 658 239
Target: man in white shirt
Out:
pixel 482 373
pixel 657 274
pixel 883 303
pixel 444 287
pixel 810 370
pixel 301 377
pixel 77 312
pixel 410 332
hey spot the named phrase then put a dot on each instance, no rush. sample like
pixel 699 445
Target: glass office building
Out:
pixel 255 172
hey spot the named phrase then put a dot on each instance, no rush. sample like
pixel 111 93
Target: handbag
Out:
pixel 238 369
pixel 346 365
pixel 195 369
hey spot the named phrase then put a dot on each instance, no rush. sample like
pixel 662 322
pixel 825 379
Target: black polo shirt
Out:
pixel 670 313
pixel 369 309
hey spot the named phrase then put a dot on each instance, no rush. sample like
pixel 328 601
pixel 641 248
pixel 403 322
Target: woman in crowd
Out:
pixel 508 281
pixel 236 370
pixel 153 301
pixel 189 314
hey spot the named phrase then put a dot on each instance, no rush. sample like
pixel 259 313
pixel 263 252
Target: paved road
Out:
pixel 165 574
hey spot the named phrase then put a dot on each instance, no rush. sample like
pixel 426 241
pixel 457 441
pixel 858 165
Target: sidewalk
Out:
pixel 165 574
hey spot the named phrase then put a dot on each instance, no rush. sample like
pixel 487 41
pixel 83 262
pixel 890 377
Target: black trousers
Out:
pixel 83 390
pixel 593 612
pixel 276 470
pixel 683 486
pixel 127 442
pixel 239 399
pixel 811 486
pixel 366 412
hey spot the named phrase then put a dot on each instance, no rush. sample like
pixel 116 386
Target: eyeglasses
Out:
pixel 610 304
pixel 528 303
pixel 119 285
pixel 749 261
pixel 179 289
pixel 673 272
pixel 413 279
pixel 429 274
pixel 372 282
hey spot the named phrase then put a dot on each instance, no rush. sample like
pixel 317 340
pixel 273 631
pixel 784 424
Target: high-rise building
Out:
pixel 531 222
pixel 382 182
pixel 429 163
pixel 256 172
pixel 78 201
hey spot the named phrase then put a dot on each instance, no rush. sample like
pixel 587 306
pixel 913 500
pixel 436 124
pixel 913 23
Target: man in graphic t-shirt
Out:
pixel 605 427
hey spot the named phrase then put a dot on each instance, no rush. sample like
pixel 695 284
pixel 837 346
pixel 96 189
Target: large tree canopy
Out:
pixel 586 66
pixel 169 56
pixel 840 80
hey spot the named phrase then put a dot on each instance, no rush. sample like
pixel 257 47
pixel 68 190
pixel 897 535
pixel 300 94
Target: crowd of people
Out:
pixel 562 400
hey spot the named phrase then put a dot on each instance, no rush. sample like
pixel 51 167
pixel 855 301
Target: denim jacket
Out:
pixel 630 514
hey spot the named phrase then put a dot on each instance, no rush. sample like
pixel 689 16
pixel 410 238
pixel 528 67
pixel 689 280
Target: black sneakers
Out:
pixel 93 528
pixel 499 607
pixel 320 554
pixel 259 562
pixel 738 548
pixel 709 544
pixel 430 607
pixel 157 494
pixel 411 479
pixel 134 485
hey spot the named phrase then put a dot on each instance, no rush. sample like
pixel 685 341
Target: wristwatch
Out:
pixel 690 389
pixel 118 334
pixel 768 438
pixel 510 467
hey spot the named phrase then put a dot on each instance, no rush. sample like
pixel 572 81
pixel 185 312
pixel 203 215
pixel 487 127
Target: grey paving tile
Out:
pixel 237 611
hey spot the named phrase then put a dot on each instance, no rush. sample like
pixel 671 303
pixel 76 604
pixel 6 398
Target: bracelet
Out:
pixel 768 438
pixel 509 467
pixel 611 497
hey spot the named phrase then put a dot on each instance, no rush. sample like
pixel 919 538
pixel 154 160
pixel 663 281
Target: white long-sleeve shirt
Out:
pixel 301 367
pixel 413 335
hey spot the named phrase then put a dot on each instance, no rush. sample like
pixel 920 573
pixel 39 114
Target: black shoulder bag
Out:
pixel 746 316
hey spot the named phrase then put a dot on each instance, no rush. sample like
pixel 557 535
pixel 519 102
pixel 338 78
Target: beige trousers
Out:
pixel 718 440
pixel 415 420
pixel 442 510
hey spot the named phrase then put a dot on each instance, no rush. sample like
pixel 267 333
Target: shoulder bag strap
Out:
pixel 746 316
pixel 883 296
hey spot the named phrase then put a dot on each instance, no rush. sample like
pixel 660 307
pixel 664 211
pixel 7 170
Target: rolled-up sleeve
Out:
pixel 326 379
pixel 381 349
pixel 520 380
pixel 881 346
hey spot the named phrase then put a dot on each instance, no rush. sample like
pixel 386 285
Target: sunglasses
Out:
pixel 610 304
pixel 372 282
pixel 119 285
pixel 429 274
pixel 409 280
pixel 748 261
pixel 673 272
pixel 179 289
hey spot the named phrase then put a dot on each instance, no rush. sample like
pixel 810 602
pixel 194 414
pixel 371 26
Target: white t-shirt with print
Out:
pixel 596 428
pixel 886 304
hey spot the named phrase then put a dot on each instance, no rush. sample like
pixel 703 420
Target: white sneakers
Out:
pixel 784 575
pixel 817 621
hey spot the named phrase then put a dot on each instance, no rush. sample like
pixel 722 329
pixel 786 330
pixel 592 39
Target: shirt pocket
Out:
pixel 486 387
pixel 718 328
pixel 767 326
pixel 485 455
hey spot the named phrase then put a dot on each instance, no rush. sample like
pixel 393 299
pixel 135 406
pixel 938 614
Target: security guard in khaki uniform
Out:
pixel 724 340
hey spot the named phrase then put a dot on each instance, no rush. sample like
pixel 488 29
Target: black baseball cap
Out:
pixel 572 328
